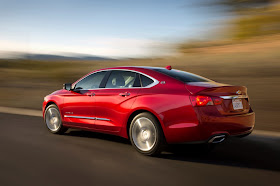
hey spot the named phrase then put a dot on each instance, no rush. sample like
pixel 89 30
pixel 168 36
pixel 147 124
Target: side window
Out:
pixel 145 80
pixel 121 79
pixel 91 82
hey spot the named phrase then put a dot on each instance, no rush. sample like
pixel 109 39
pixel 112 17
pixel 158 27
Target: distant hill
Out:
pixel 61 57
pixel 45 57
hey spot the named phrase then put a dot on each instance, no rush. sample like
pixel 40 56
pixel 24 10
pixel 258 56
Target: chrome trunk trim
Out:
pixel 234 97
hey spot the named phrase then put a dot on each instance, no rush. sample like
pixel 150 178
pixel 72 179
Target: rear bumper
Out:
pixel 219 137
pixel 210 126
pixel 236 125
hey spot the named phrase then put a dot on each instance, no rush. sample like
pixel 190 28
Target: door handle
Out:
pixel 90 94
pixel 124 94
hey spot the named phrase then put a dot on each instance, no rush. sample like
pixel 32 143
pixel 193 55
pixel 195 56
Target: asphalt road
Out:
pixel 30 155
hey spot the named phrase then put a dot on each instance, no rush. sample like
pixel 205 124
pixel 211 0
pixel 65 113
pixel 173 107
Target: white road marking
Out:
pixel 20 111
pixel 38 113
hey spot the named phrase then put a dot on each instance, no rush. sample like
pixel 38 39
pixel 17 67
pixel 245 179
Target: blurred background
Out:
pixel 44 44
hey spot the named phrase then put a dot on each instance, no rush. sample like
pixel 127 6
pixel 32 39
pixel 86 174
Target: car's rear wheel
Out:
pixel 146 134
pixel 53 120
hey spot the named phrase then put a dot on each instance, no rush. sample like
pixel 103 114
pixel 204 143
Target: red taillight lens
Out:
pixel 205 100
pixel 217 101
pixel 201 100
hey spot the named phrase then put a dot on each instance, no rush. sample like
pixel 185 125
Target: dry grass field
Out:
pixel 24 83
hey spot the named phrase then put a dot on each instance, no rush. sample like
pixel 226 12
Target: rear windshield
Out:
pixel 183 76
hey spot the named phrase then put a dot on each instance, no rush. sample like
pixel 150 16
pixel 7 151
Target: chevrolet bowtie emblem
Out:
pixel 238 92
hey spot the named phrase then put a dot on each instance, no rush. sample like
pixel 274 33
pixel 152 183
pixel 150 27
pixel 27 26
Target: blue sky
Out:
pixel 120 28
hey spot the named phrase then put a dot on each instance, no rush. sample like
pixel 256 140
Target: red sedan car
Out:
pixel 151 106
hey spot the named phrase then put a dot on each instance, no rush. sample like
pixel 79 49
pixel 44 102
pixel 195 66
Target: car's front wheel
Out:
pixel 146 134
pixel 53 120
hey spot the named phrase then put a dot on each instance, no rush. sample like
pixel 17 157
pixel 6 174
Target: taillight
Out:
pixel 205 100
pixel 217 101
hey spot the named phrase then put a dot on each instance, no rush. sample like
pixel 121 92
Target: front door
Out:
pixel 78 109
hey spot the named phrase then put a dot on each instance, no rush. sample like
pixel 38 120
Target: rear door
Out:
pixel 113 102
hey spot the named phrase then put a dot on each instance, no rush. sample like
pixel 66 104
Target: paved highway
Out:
pixel 30 155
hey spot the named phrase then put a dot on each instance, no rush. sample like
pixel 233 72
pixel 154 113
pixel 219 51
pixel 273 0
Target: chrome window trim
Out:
pixel 149 86
pixel 234 97
pixel 85 117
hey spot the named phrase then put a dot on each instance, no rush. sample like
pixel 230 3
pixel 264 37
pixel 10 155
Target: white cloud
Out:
pixel 103 46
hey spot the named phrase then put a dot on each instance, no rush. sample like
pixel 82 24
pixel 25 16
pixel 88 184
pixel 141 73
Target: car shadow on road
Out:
pixel 96 135
pixel 249 152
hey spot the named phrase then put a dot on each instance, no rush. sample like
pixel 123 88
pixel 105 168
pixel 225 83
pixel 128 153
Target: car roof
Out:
pixel 150 71
pixel 133 68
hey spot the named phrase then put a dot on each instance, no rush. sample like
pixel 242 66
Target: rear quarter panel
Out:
pixel 170 103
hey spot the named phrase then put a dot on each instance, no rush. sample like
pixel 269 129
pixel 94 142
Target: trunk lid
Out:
pixel 234 98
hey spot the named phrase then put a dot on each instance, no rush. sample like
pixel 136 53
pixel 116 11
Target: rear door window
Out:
pixel 122 79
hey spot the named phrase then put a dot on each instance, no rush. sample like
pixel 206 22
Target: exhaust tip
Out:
pixel 217 138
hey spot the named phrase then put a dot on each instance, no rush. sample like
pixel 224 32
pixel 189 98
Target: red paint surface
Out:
pixel 170 103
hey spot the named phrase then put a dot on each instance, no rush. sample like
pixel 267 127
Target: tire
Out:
pixel 146 134
pixel 53 120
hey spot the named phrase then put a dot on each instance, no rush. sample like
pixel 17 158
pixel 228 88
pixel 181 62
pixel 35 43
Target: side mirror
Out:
pixel 67 86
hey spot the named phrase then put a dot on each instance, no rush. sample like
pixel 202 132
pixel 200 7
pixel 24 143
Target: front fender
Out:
pixel 56 99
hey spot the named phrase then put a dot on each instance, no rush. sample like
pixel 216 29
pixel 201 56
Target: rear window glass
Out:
pixel 183 76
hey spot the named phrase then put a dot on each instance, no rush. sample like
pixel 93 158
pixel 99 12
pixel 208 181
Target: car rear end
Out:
pixel 222 110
